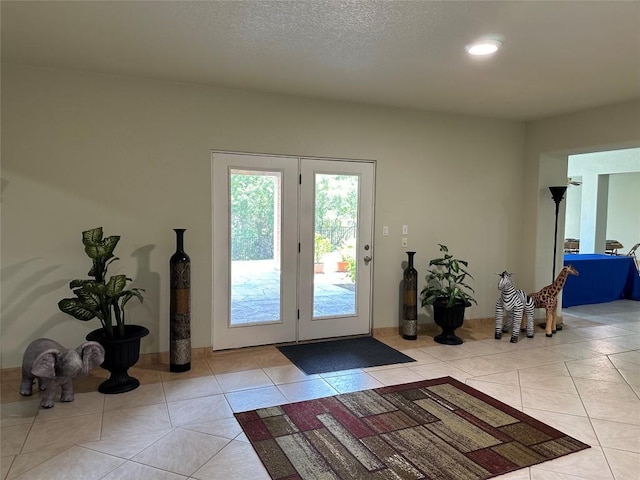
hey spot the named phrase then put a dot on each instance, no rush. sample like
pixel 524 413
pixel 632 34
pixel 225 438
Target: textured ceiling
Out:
pixel 558 56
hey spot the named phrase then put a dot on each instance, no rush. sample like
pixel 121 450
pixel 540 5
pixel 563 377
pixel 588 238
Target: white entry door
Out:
pixel 336 214
pixel 292 252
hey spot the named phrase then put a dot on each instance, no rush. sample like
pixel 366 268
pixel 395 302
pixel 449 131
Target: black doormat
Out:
pixel 343 354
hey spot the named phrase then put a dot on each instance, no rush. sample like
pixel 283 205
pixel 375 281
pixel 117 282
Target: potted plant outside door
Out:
pixel 321 246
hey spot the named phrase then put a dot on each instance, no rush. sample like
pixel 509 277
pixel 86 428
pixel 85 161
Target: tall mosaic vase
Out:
pixel 180 307
pixel 410 301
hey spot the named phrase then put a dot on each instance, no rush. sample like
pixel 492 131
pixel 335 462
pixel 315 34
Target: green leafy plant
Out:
pixel 348 255
pixel 446 285
pixel 99 297
pixel 321 246
pixel 348 250
pixel 352 269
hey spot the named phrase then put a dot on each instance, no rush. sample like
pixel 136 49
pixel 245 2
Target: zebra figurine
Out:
pixel 514 302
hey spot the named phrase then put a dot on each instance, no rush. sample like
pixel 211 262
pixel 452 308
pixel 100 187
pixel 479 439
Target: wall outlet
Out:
pixel 404 241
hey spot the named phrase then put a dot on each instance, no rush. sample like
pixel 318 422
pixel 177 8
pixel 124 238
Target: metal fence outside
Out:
pixel 260 247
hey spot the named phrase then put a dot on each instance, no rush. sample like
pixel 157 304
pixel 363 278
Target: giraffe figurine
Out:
pixel 547 298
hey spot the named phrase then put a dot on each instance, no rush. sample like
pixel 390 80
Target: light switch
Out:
pixel 385 231
pixel 405 229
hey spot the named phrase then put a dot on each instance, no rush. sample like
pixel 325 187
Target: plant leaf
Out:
pixel 76 308
pixel 116 285
pixel 95 287
pixel 129 294
pixel 88 298
pixel 109 244
pixel 79 283
pixel 102 250
pixel 92 236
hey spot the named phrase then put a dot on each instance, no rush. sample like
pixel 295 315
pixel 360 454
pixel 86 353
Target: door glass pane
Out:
pixel 255 217
pixel 336 217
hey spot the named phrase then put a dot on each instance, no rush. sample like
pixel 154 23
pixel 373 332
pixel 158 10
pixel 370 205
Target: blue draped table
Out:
pixel 603 278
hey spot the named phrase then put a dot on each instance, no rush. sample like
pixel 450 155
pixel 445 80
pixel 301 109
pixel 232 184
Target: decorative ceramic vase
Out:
pixel 410 301
pixel 120 353
pixel 180 307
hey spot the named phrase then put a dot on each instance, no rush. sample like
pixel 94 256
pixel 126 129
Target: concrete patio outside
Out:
pixel 255 292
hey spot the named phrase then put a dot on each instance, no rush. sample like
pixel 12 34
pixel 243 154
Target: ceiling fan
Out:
pixel 575 183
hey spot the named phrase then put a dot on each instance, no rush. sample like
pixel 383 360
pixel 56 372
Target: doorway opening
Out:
pixel 292 248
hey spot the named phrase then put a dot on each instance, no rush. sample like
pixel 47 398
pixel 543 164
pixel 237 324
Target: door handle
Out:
pixel 367 259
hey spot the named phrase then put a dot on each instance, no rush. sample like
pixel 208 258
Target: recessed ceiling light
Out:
pixel 483 47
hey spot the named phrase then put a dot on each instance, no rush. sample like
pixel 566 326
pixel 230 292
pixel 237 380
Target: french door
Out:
pixel 292 253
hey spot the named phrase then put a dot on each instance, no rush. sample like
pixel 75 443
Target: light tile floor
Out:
pixel 584 381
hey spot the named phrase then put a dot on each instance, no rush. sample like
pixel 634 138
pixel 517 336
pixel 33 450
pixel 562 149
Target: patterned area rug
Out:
pixel 434 429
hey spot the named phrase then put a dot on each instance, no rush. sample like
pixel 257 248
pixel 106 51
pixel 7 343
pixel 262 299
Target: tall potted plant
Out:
pixel 347 255
pixel 105 299
pixel 321 246
pixel 448 294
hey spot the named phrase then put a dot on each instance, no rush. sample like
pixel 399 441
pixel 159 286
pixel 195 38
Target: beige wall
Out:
pixel 133 155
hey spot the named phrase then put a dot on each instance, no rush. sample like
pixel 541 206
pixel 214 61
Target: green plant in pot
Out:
pixel 321 246
pixel 106 298
pixel 347 257
pixel 448 293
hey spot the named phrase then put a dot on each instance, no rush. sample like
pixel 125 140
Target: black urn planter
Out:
pixel 448 319
pixel 120 353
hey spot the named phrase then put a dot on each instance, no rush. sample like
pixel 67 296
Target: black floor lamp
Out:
pixel 558 194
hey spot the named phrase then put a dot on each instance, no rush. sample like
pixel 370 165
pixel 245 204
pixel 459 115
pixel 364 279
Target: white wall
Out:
pixel 133 155
pixel 573 209
pixel 622 221
pixel 623 215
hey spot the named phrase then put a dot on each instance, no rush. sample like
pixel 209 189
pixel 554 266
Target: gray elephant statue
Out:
pixel 53 366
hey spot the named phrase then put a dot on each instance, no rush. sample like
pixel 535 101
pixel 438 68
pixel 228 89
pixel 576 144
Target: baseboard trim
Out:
pixel 208 352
